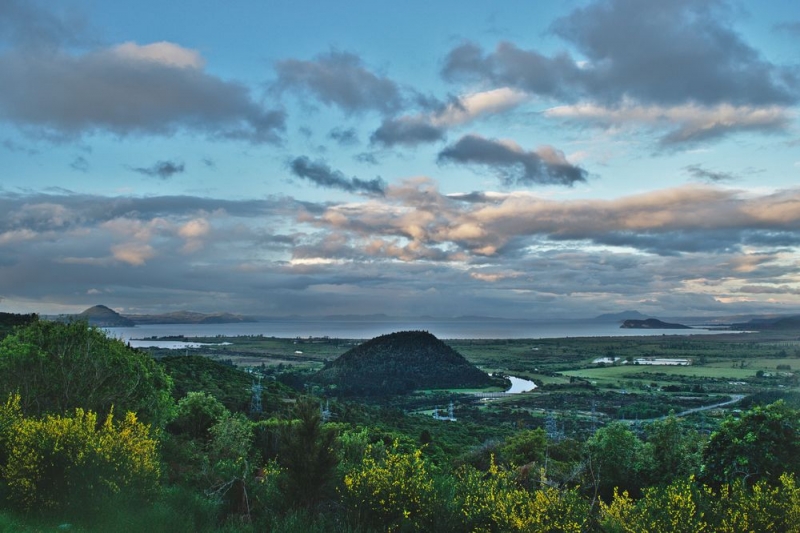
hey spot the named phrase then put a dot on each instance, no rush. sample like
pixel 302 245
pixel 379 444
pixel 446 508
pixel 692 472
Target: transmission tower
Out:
pixel 255 400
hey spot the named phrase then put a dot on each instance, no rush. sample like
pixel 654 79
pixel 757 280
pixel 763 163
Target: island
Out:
pixel 651 323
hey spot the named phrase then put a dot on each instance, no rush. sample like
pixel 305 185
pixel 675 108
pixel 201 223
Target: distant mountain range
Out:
pixel 102 316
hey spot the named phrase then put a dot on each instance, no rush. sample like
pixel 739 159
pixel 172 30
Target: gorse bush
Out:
pixel 61 461
pixel 394 492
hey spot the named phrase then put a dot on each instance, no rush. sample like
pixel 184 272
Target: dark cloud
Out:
pixel 792 28
pixel 699 173
pixel 368 158
pixel 321 174
pixel 664 53
pixel 81 164
pixel 508 65
pixel 28 25
pixel 407 132
pixel 161 169
pixel 209 163
pixel 12 146
pixel 513 164
pixel 345 137
pixel 474 197
pixel 341 79
pixel 158 89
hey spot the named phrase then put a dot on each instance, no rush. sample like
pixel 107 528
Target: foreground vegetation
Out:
pixel 96 436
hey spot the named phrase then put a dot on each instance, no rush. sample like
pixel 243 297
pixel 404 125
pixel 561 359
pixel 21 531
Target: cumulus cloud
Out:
pixel 161 169
pixel 689 71
pixel 129 89
pixel 411 130
pixel 512 163
pixel 340 79
pixel 323 175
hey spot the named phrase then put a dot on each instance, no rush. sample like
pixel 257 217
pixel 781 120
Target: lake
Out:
pixel 443 329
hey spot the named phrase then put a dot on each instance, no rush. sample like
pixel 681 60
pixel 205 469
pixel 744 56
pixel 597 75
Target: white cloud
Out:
pixel 163 52
pixel 133 253
pixel 683 123
pixel 472 106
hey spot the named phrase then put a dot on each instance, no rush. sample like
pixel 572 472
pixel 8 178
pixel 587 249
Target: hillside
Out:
pixel 783 323
pixel 102 316
pixel 400 362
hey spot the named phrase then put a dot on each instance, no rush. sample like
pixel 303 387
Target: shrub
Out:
pixel 58 461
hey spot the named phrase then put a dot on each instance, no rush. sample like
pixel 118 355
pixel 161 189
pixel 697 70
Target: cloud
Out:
pixel 684 249
pixel 513 164
pixel 471 106
pixel 407 131
pixel 685 124
pixel 26 24
pixel 700 56
pixel 412 130
pixel 81 164
pixel 161 169
pixel 321 174
pixel 130 89
pixel 699 173
pixel 792 28
pixel 689 71
pixel 135 254
pixel 340 79
pixel 344 137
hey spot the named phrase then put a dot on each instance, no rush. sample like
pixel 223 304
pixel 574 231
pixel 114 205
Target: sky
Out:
pixel 534 160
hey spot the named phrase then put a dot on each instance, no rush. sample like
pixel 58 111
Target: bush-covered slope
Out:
pixel 401 362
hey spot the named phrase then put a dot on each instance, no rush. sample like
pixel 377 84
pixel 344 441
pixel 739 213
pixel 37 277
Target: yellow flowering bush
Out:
pixel 494 501
pixel 395 491
pixel 57 461
pixel 678 507
pixel 687 506
pixel 759 508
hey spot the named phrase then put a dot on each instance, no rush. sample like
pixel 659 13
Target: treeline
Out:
pixel 103 437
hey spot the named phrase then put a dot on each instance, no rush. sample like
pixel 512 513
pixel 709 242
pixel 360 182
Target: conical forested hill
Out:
pixel 102 316
pixel 401 362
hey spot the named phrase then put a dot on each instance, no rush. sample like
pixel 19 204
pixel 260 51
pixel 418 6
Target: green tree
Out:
pixel 57 367
pixel 676 450
pixel 762 444
pixel 195 414
pixel 525 447
pixel 617 459
pixel 308 455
